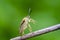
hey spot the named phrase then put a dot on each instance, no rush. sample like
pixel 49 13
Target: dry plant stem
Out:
pixel 38 32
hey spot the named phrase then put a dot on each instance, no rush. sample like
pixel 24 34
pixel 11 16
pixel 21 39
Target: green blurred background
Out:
pixel 45 12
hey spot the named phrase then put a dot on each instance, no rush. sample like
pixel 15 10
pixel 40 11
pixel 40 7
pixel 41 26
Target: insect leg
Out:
pixel 30 29
pixel 33 21
pixel 22 33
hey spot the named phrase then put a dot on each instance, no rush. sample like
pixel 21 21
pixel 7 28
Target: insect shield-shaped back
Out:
pixel 24 24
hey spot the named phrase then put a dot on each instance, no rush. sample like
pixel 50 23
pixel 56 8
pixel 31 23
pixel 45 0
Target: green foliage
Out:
pixel 45 12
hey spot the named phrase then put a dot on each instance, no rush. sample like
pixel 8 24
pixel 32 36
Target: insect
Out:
pixel 25 23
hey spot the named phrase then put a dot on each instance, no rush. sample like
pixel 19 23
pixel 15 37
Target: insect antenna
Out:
pixel 29 11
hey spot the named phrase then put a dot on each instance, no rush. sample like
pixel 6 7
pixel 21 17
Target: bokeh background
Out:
pixel 45 12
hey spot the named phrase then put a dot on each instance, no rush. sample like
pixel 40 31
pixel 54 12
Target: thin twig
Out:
pixel 38 32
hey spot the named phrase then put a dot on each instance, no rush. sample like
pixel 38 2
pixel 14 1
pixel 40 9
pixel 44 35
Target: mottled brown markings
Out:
pixel 22 22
